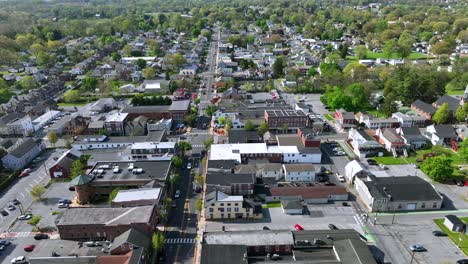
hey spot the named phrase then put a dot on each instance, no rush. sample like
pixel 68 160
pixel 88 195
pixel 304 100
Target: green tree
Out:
pixel 199 204
pixel 43 58
pixel 359 97
pixel 278 67
pixel 461 114
pixel 463 150
pixel 361 52
pixel 52 138
pixel 263 128
pixel 208 143
pixel 441 47
pixel 249 125
pixel 442 114
pixel 141 63
pixel 116 56
pixel 177 162
pixel 311 72
pixel 211 109
pixel 71 96
pixel 438 168
pixel 36 48
pixel 389 106
pixel 149 73
pixel 113 194
pixel 28 83
pixel 389 48
pixel 37 191
pixel 184 146
pixel 5 94
pixel 77 169
pixel 89 84
pixel 157 241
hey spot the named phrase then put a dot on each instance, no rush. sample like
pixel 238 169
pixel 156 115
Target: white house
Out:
pixel 354 169
pixel 440 134
pixel 44 119
pixel 299 172
pixel 22 153
pixel 20 126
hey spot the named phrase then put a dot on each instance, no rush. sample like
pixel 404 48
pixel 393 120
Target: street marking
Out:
pixel 22 195
pixel 179 240
pixel 36 181
pixel 31 186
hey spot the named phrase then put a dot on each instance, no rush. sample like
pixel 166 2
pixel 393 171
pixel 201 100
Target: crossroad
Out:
pixel 180 241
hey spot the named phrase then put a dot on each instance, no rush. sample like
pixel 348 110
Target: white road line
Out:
pixel 36 181
pixel 31 186
pixel 22 195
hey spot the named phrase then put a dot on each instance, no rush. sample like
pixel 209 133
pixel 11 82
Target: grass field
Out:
pixel 390 160
pixel 455 236
pixel 329 117
pixel 272 205
pixel 73 104
pixel 376 55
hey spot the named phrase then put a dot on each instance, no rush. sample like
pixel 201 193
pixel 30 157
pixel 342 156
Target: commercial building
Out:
pixel 219 206
pixel 152 150
pixel 179 109
pixel 318 194
pixel 278 119
pixel 137 197
pixel 299 172
pixel 20 127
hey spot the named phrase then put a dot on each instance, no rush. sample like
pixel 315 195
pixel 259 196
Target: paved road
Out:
pixel 211 60
pixel 181 230
pixel 21 188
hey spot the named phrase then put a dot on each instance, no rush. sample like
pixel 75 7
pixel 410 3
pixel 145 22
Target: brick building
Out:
pixel 289 118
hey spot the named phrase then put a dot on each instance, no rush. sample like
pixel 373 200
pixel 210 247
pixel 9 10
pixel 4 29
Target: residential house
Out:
pixel 392 141
pixel 299 172
pixel 316 194
pixel 22 153
pixel 442 135
pixel 114 125
pixel 219 206
pixel 152 112
pixel 20 127
pixel 179 109
pixel 412 136
pixel 406 120
pixel 62 167
pixel 163 124
pixel 345 120
pixel 363 144
pixel 423 109
pixel 372 122
pixel 452 102
pixel 230 183
pixel 292 207
pixel 137 127
pixel 130 240
pixel 354 169
pixel 103 105
pixel 393 194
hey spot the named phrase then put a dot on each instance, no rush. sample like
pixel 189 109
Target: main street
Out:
pixel 208 75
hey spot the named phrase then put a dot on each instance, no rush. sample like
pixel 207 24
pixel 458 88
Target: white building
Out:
pixel 20 126
pixel 163 124
pixel 299 172
pixel 44 119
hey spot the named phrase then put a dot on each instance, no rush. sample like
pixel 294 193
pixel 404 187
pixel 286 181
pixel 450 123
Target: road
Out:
pixel 21 188
pixel 181 230
pixel 208 76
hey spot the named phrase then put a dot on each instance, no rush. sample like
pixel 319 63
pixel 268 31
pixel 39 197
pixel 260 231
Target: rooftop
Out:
pixel 142 171
pixel 137 194
pixel 284 113
pixel 249 238
pixel 182 105
pixel 116 117
pixel 299 167
pixel 145 109
pixel 309 192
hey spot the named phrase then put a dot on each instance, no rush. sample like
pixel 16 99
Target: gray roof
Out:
pixel 249 238
pixel 151 170
pixel 291 204
pixel 243 136
pixel 182 105
pixel 445 131
pixel 222 164
pixel 299 167
pixel 226 254
pixel 353 251
pixel 425 107
pixel 453 103
pixel 22 147
pixel 228 178
pixel 406 188
pixel 145 109
pixel 132 236
pixel 454 220
pixel 106 216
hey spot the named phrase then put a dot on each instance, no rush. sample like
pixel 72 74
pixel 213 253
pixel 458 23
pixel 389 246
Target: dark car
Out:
pixel 65 201
pixel 462 261
pixel 372 162
pixel 41 236
pixel 15 201
pixel 460 183
pixel 330 184
pixel 438 233
pixel 266 228
pixel 71 188
pixel 345 204
pixel 332 227
pixel 4 212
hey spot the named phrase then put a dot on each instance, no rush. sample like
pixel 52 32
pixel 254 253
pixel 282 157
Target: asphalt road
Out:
pixel 211 61
pixel 181 230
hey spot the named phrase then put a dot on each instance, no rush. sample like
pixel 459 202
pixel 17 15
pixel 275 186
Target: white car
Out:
pixel 383 166
pixel 19 260
pixel 62 205
pixel 177 194
pixel 189 166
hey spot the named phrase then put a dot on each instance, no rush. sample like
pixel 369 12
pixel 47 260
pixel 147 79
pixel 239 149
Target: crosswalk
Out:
pixel 198 146
pixel 179 241
pixel 23 234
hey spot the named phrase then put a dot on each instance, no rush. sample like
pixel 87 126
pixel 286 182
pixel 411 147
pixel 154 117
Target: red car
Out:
pixel 29 248
pixel 298 227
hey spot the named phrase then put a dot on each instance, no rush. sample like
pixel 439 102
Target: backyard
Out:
pixel 455 236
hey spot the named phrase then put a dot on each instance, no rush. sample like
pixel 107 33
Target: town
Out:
pixel 234 132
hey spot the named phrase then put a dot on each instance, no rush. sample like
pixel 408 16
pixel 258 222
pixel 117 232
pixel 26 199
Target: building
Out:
pixel 299 148
pixel 454 224
pixel 316 194
pixel 354 169
pixel 179 109
pixel 412 137
pixel 452 102
pixel 219 206
pixel 137 197
pixel 279 119
pixel 105 142
pixel 114 125
pixel 393 194
pixel 22 153
pixel 442 135
pixel 163 124
pixel 62 167
pixel 293 207
pixel 423 109
pixel 380 123
pixel 104 177
pixel 230 183
pixel 299 172
pixel 129 240
pixel 103 105
pixel 105 223
pixel 20 127
pixel 406 120
pixel 363 144
pixel 152 112
pixel 152 151
pixel 136 127
pixel 391 140
pixel 345 120
pixel 44 119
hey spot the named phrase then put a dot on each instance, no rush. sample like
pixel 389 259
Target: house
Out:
pixel 22 153
pixel 292 207
pixel 363 144
pixel 406 120
pixel 354 169
pixel 262 170
pixel 392 141
pixel 230 183
pixel 454 224
pixel 44 119
pixel 286 119
pixel 391 194
pixel 219 206
pixel 452 102
pixel 129 240
pixel 103 105
pixel 114 125
pixel 152 112
pixel 137 197
pixel 20 127
pixel 243 136
pixel 179 109
pixel 163 124
pixel 299 172
pixel 423 109
pixel 462 131
pixel 154 86
pixel 372 122
pixel 345 120
pixel 137 127
pixel 441 135
pixel 317 194
pixel 62 167
pixel 412 136
pixel 150 150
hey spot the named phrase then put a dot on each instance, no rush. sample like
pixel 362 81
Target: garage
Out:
pixel 292 207
pixel 411 206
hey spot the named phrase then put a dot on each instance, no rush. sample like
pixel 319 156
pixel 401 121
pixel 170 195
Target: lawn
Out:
pixel 390 160
pixel 377 113
pixel 272 205
pixel 456 159
pixel 376 55
pixel 455 92
pixel 455 236
pixel 329 117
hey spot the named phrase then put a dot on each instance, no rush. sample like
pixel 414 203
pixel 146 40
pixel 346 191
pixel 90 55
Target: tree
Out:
pixel 211 109
pixel 199 204
pixel 141 63
pixel 113 194
pixel 208 143
pixel 389 106
pixel 149 73
pixel 89 84
pixel 438 168
pixel 37 191
pixel 461 113
pixel 359 98
pixel 71 96
pixel 157 241
pixel 311 72
pixel 200 179
pixel 43 58
pixel 278 67
pixel 177 162
pixel 5 94
pixel 361 52
pixel 441 47
pixel 389 48
pixel 249 125
pixel 36 48
pixel 52 138
pixel 442 114
pixel 263 128
pixel 28 83
pixel 77 169
pixel 463 150
pixel 116 56
pixel 184 146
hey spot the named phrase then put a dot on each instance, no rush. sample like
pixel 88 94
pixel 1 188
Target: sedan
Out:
pixel 29 248
pixel 41 236
pixel 438 233
pixel 25 217
pixel 4 212
pixel 15 202
pixel 417 248
pixel 462 261
pixel 298 227
pixel 177 194
pixel 19 260
pixel 11 207
pixel 62 205
pixel 189 166
pixel 332 227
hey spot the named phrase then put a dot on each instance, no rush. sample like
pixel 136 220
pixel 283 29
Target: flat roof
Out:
pixel 137 194
pixel 284 113
pixel 116 117
pixel 249 238
pixel 153 145
pixel 106 216
pixel 46 117
pixel 150 170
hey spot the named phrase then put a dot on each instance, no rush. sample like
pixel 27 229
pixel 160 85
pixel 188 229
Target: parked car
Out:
pixel 266 228
pixel 332 227
pixel 71 188
pixel 65 201
pixel 29 248
pixel 62 205
pixel 298 227
pixel 177 194
pixel 345 204
pixel 438 233
pixel 462 261
pixel 5 242
pixel 25 217
pixel 174 204
pixel 2 247
pixel 460 183
pixel 11 207
pixel 417 248
pixel 383 166
pixel 4 212
pixel 90 244
pixel 19 260
pixel 372 162
pixel 41 236
pixel 189 166
pixel 15 201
